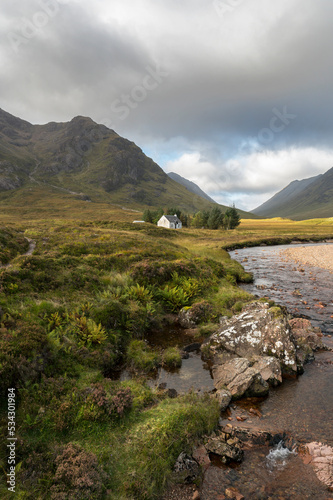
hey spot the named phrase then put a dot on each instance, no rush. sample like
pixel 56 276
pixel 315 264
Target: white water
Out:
pixel 278 457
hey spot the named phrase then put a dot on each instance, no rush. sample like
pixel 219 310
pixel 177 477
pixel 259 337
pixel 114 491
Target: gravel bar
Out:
pixel 319 256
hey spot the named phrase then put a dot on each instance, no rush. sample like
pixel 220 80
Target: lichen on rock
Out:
pixel 253 350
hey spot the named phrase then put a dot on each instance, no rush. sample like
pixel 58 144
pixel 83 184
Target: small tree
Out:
pixel 231 218
pixel 152 216
pixel 174 211
pixel 157 215
pixel 215 219
pixel 147 216
pixel 185 220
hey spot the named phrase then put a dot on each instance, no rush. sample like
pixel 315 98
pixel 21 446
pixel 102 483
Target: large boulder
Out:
pixel 253 350
pixel 258 331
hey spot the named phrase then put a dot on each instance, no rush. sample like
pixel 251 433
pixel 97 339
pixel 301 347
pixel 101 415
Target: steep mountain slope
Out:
pixel 306 199
pixel 281 198
pixel 84 160
pixel 191 186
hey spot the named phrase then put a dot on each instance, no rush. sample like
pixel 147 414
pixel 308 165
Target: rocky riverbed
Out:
pixel 275 435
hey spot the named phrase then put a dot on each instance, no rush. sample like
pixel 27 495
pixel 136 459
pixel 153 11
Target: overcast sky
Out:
pixel 235 95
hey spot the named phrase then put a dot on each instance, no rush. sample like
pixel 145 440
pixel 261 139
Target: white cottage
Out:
pixel 170 222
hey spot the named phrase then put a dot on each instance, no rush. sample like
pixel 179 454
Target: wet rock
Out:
pixel 186 469
pixel 258 388
pixel 224 397
pixel 269 369
pixel 225 451
pixel 201 456
pixel 258 331
pixel 192 347
pixel 169 393
pixel 306 338
pixel 239 378
pixel 322 462
pixel 234 494
pixel 172 393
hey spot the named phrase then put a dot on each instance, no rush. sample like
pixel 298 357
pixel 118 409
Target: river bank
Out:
pixel 311 255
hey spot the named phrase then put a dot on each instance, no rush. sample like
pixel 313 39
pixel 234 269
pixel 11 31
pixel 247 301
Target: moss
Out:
pixel 141 357
pixel 208 329
pixel 276 311
pixel 172 358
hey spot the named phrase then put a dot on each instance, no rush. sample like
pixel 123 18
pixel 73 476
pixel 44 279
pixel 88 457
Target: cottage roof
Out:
pixel 173 218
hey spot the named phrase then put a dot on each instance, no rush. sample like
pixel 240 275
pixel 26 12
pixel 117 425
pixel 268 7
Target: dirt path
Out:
pixel 319 256
pixel 32 246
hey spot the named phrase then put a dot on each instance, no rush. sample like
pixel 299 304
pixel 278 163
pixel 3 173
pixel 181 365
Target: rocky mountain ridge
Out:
pixel 83 158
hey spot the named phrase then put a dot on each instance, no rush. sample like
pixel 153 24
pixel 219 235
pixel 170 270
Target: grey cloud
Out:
pixel 225 77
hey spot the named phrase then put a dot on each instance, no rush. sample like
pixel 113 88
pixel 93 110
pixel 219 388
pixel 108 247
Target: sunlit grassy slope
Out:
pixel 73 312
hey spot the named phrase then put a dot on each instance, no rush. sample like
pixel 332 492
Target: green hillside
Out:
pixel 307 199
pixel 80 162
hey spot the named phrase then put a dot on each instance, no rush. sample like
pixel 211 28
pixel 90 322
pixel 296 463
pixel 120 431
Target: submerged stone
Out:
pixel 225 451
pixel 186 469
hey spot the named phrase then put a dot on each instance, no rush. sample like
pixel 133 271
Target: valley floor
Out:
pixel 75 312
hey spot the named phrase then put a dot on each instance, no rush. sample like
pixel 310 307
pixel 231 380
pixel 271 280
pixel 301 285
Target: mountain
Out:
pixel 191 186
pixel 84 161
pixel 306 199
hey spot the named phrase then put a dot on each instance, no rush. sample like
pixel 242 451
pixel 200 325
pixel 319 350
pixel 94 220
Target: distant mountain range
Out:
pixel 86 161
pixel 191 186
pixel 306 199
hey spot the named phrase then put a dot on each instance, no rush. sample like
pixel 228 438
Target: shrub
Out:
pixel 24 353
pixel 88 332
pixel 140 293
pixel 101 404
pixel 238 306
pixel 77 475
pixel 174 297
pixel 191 286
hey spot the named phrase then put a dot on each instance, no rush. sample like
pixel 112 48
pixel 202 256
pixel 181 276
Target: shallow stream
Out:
pixel 302 406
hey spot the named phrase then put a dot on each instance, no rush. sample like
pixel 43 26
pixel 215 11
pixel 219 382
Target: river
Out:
pixel 302 406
